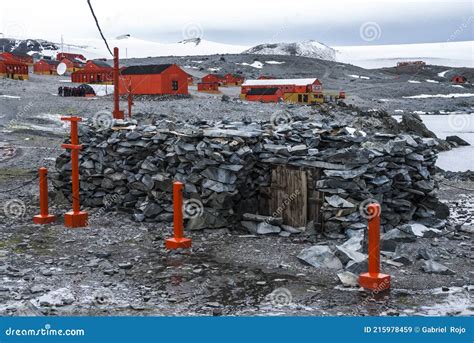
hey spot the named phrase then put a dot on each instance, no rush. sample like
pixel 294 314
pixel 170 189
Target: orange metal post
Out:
pixel 130 100
pixel 374 280
pixel 76 217
pixel 117 114
pixel 44 217
pixel 178 241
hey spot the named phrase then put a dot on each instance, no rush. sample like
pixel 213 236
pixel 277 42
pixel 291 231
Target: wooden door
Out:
pixel 288 195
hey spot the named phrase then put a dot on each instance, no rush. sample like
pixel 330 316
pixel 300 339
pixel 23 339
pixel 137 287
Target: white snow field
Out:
pixel 452 54
pixel 139 48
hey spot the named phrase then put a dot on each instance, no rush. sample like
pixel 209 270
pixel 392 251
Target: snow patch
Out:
pixel 274 62
pixel 256 64
pixel 359 77
pixel 413 81
pixel 451 95
pixel 102 90
pixel 10 96
pixel 432 81
pixel 443 73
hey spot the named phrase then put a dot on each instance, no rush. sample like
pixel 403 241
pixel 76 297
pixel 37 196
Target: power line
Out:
pixel 98 27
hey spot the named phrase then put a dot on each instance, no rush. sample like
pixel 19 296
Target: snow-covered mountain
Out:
pixel 310 49
pixel 27 46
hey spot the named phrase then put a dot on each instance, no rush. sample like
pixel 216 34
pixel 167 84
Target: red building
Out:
pixel 214 78
pixel 210 87
pixel 458 79
pixel 95 71
pixel 286 85
pixel 233 80
pixel 72 65
pixel 69 56
pixel 46 67
pixel 157 79
pixel 411 64
pixel 190 79
pixel 23 58
pixel 12 68
pixel 272 94
pixel 305 91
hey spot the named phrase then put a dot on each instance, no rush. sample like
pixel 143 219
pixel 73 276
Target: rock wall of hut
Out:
pixel 225 167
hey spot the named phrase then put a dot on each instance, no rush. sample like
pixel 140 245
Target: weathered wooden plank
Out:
pixel 289 195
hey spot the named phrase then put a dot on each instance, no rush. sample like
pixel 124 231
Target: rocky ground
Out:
pixel 117 266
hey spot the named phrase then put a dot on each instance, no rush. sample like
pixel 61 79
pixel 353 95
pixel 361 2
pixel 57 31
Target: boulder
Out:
pixel 434 267
pixel 320 256
pixel 346 255
pixel 458 140
pixel 390 239
pixel 56 298
pixel 265 228
pixel 348 279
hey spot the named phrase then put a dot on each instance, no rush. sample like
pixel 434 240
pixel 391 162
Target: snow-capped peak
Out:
pixel 311 48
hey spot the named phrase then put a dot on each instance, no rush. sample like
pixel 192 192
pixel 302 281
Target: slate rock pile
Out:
pixel 223 166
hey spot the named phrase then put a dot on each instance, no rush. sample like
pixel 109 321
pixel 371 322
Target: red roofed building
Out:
pixel 157 79
pixel 233 80
pixel 210 87
pixel 69 56
pixel 304 91
pixel 23 58
pixel 214 78
pixel 72 65
pixel 271 94
pixel 95 71
pixel 12 68
pixel 46 67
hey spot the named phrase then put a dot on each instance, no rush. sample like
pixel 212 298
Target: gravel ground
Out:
pixel 117 266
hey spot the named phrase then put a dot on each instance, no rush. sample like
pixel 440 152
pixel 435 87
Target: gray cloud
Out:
pixel 246 22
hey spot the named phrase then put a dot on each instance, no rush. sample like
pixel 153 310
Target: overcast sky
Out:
pixel 245 22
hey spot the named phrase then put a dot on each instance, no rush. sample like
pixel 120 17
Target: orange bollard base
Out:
pixel 176 243
pixel 118 114
pixel 47 219
pixel 76 219
pixel 374 282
